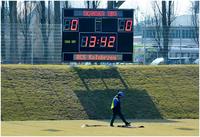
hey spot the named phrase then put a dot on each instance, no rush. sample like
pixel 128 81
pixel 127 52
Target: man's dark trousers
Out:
pixel 115 113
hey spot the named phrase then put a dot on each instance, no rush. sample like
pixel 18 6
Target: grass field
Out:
pixel 57 99
pixel 61 92
pixel 171 127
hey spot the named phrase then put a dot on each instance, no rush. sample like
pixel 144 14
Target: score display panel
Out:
pixel 97 35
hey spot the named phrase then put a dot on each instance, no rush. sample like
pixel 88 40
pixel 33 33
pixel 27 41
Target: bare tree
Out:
pixel 49 13
pixel 95 4
pixel 24 24
pixel 114 4
pixel 57 22
pixel 25 31
pixel 92 4
pixel 50 17
pixel 67 4
pixel 195 20
pixel 166 12
pixel 87 3
pixel 44 30
pixel 13 32
pixel 57 12
pixel 157 22
pixel 3 46
pixel 46 25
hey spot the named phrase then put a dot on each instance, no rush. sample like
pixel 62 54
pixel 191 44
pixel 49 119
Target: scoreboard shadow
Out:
pixel 137 103
pixel 104 74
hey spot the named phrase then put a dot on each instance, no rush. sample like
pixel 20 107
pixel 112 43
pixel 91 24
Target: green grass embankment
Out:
pixel 45 92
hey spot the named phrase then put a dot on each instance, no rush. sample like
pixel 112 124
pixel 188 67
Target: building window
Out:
pixel 183 33
pixel 197 55
pixel 172 55
pixel 188 33
pixel 194 55
pixel 177 33
pixel 178 54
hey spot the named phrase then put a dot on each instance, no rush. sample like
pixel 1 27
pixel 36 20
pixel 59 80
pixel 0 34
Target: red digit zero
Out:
pixel 128 26
pixel 74 24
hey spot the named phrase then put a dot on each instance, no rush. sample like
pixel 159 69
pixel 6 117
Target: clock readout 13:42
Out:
pixel 92 41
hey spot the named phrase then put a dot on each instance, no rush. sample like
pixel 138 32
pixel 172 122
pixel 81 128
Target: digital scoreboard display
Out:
pixel 97 35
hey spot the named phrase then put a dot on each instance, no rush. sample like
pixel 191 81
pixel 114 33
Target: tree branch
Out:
pixel 158 8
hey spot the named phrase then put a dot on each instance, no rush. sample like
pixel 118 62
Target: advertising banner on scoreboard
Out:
pixel 97 35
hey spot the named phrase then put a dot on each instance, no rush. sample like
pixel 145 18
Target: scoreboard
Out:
pixel 97 35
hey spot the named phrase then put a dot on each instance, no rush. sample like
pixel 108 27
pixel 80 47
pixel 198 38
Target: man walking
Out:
pixel 115 106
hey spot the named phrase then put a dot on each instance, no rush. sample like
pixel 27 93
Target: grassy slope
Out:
pixel 41 92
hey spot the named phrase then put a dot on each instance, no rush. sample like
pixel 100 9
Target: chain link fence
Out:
pixel 33 44
pixel 42 44
pixel 183 45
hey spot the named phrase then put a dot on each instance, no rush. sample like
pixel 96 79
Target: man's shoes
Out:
pixel 112 125
pixel 128 124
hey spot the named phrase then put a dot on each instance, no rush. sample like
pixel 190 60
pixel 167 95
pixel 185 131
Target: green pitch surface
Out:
pixel 172 127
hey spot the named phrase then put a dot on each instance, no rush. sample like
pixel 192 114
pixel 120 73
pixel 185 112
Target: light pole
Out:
pixel 143 42
pixel 157 51
pixel 144 36
pixel 180 26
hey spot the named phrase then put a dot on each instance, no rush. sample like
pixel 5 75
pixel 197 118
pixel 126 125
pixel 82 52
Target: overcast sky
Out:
pixel 181 6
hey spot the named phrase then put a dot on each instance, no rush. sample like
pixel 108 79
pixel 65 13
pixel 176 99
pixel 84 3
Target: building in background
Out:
pixel 183 48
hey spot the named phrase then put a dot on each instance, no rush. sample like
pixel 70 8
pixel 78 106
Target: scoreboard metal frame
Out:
pixel 97 35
